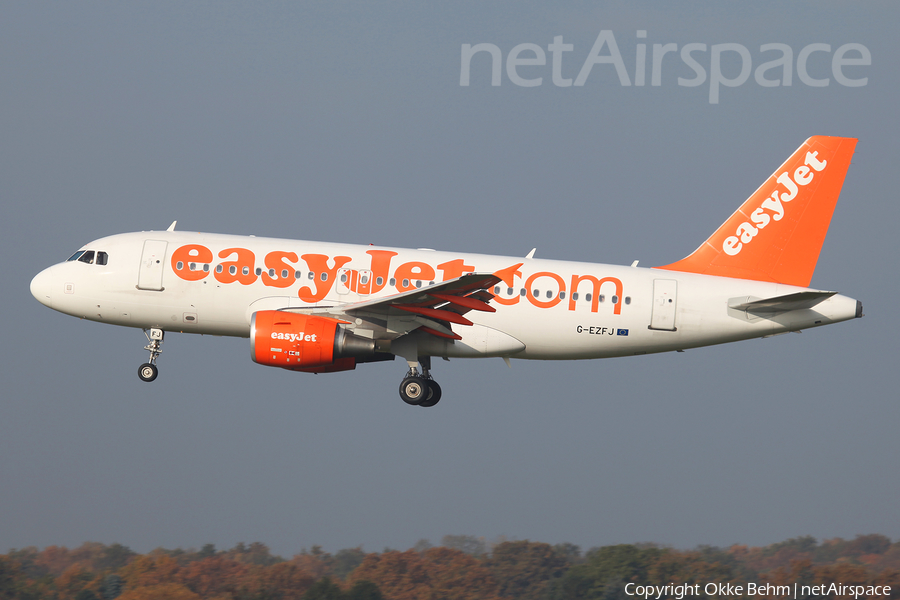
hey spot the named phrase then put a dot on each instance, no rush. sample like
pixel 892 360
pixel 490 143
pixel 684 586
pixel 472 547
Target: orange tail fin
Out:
pixel 777 234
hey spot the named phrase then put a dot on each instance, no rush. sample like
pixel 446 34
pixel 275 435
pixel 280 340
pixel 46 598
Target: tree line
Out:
pixel 460 568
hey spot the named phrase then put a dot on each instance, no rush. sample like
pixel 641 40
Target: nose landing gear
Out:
pixel 420 390
pixel 148 371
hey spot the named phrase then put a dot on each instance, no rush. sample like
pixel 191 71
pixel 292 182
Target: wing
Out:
pixel 430 309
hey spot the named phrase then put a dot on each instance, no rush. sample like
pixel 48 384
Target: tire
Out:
pixel 414 390
pixel 147 372
pixel 434 394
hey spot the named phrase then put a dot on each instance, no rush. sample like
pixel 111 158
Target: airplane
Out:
pixel 325 307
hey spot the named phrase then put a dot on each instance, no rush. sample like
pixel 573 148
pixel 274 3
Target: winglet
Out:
pixel 172 226
pixel 777 234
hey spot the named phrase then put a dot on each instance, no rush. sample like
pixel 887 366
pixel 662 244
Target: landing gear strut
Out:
pixel 420 390
pixel 148 371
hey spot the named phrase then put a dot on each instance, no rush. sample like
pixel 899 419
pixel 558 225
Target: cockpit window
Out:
pixel 87 256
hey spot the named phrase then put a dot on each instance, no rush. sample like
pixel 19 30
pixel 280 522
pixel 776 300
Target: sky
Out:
pixel 347 122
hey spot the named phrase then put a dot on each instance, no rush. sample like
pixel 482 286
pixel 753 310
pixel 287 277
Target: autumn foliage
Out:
pixel 461 568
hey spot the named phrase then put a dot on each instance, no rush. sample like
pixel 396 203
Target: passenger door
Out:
pixel 664 304
pixel 152 262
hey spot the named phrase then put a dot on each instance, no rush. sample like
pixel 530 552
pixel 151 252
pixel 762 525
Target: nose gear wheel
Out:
pixel 148 372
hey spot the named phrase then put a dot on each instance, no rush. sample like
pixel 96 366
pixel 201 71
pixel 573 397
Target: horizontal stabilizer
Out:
pixel 780 304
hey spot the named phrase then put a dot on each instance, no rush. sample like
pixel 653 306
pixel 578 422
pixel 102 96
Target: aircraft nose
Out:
pixel 41 287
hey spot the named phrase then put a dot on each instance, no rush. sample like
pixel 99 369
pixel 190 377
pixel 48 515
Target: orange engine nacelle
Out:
pixel 305 343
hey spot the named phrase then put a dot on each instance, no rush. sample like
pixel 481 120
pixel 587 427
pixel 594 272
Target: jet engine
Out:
pixel 306 343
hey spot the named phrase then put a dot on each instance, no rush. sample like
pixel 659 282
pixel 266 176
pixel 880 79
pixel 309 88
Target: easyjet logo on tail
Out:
pixel 795 203
pixel 773 207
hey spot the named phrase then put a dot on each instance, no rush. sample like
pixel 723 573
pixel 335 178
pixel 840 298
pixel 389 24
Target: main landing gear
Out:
pixel 420 390
pixel 148 371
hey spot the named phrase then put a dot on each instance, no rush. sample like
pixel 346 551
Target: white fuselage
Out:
pixel 555 309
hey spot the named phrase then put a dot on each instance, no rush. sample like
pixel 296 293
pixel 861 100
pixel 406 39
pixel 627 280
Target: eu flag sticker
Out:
pixel 621 332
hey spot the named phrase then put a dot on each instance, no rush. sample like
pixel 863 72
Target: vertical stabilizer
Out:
pixel 777 234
